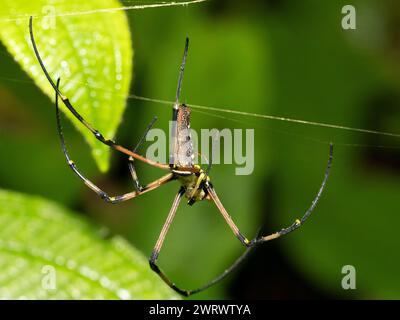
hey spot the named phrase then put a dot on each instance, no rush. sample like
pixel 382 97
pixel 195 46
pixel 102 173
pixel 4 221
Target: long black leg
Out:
pixel 131 165
pixel 182 69
pixel 158 246
pixel 224 274
pixel 95 132
pixel 217 279
pixel 292 227
pixel 90 184
pixel 301 221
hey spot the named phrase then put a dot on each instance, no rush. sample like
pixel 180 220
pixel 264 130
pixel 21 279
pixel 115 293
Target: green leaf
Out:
pixel 92 53
pixel 37 235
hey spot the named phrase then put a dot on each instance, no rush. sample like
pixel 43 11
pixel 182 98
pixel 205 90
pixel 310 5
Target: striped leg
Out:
pixel 90 184
pixel 160 241
pixel 158 246
pixel 95 132
pixel 292 227
pixel 227 217
pixel 217 279
pixel 299 222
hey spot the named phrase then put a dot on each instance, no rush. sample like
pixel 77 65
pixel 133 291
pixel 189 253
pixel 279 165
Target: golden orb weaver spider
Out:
pixel 195 182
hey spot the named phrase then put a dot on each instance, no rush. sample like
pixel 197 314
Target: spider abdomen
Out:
pixel 183 148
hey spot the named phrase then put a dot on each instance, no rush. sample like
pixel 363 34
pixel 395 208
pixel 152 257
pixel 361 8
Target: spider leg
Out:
pixel 90 184
pixel 224 274
pixel 158 246
pixel 292 227
pixel 249 244
pixel 131 165
pixel 295 225
pixel 95 132
pixel 160 241
pixel 227 217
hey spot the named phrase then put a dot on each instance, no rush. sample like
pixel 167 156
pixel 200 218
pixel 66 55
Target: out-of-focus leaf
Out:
pixel 91 53
pixel 39 239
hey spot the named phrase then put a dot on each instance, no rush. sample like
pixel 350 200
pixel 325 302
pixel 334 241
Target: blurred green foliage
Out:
pixel 47 252
pixel 95 63
pixel 288 58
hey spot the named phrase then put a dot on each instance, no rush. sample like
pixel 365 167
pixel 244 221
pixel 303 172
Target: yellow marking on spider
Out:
pixel 71 162
pixel 198 182
pixel 271 236
pixel 297 221
pixel 112 198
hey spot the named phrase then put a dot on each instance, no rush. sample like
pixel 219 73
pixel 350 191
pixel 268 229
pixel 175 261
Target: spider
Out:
pixel 195 183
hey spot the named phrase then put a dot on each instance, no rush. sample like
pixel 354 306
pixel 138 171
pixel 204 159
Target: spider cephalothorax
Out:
pixel 195 182
pixel 195 185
